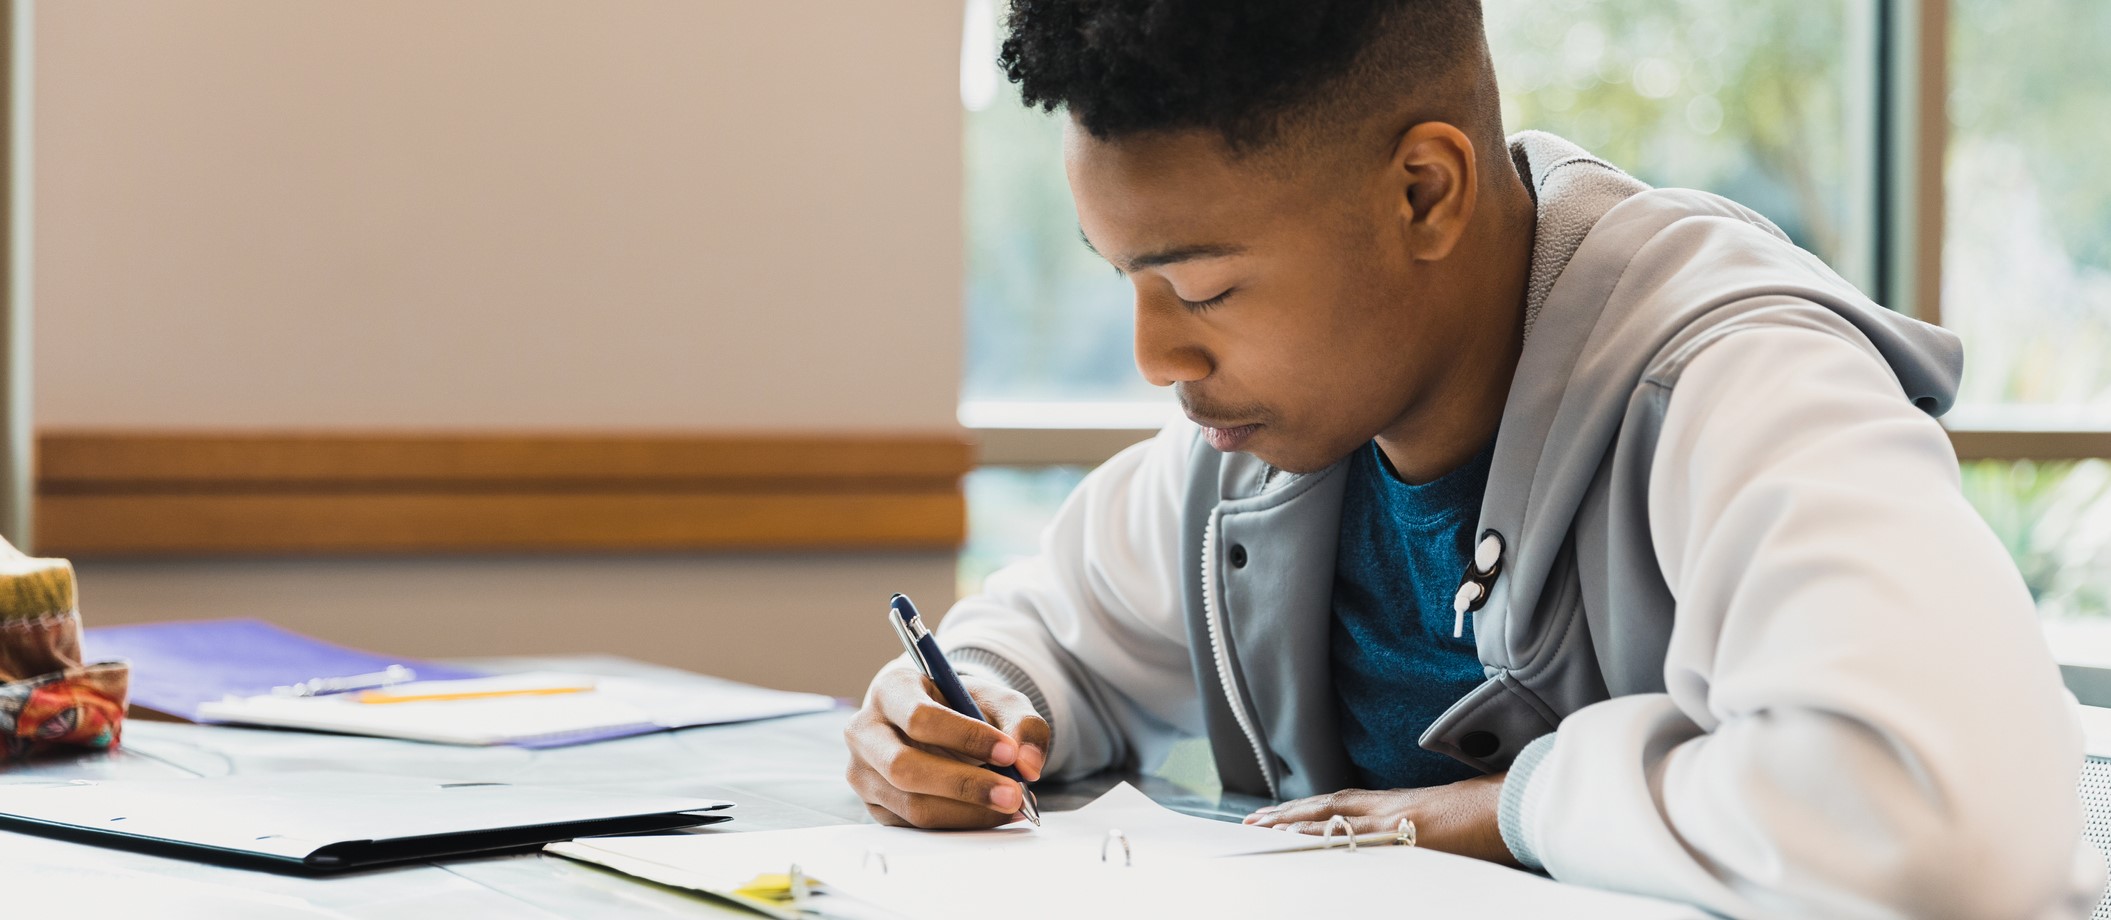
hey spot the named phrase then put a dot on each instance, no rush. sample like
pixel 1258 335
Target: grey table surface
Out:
pixel 780 773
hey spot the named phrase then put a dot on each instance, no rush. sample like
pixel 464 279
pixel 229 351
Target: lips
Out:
pixel 1228 439
pixel 1222 428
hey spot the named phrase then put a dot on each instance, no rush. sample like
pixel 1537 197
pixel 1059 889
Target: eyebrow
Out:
pixel 1167 256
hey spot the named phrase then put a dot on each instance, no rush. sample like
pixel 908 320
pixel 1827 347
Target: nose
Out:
pixel 1166 349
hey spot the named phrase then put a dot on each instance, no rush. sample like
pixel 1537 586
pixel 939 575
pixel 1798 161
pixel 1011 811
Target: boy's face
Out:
pixel 1289 313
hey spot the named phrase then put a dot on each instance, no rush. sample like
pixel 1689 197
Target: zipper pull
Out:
pixel 1481 572
pixel 1470 596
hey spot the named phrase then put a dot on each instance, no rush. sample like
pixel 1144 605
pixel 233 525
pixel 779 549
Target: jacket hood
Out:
pixel 1614 313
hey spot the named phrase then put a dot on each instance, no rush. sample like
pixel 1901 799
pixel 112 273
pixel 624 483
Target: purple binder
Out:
pixel 177 666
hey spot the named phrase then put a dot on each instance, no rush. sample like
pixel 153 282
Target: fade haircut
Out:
pixel 1261 74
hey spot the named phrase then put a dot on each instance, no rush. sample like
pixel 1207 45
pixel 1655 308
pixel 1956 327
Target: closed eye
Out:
pixel 1198 306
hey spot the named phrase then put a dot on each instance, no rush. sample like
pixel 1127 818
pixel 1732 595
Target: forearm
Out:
pixel 1860 717
pixel 1790 814
pixel 1090 628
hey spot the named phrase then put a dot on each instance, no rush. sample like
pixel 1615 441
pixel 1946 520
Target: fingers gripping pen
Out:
pixel 923 649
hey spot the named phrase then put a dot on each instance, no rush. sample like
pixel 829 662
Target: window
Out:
pixel 1007 509
pixel 1857 127
pixel 2027 244
pixel 1046 319
pixel 1765 103
pixel 2055 519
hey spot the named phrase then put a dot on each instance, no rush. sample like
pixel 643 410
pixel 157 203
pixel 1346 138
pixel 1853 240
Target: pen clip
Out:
pixel 908 636
pixel 323 686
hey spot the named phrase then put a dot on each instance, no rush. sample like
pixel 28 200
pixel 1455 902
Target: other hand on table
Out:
pixel 1456 818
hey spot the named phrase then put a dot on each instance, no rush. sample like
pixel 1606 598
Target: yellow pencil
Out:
pixel 383 696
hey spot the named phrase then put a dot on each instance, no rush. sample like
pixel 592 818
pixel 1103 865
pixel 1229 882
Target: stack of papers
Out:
pixel 236 671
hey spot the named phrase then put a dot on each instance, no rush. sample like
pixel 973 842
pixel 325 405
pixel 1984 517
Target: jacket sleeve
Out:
pixel 1091 627
pixel 1861 717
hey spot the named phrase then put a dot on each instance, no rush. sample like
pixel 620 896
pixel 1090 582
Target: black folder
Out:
pixel 332 821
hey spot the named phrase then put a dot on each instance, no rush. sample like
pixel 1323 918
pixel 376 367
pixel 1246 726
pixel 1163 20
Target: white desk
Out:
pixel 783 773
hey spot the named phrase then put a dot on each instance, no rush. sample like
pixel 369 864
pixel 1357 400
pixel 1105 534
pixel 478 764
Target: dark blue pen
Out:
pixel 923 649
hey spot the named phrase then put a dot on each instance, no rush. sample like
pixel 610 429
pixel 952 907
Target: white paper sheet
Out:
pixel 616 705
pixel 718 860
pixel 1180 866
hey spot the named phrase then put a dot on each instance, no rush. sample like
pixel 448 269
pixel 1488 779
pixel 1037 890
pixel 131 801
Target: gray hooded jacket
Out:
pixel 1574 611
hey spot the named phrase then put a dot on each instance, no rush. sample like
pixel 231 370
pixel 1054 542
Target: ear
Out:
pixel 1433 166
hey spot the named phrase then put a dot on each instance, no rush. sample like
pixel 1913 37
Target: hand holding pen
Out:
pixel 914 756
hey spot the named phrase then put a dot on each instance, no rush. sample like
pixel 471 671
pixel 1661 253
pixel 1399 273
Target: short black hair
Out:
pixel 1246 69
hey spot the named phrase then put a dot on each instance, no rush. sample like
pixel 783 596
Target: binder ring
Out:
pixel 870 855
pixel 795 883
pixel 1113 834
pixel 1406 836
pixel 1347 832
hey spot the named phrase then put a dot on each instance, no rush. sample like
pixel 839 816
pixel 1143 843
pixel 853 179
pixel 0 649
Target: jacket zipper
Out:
pixel 1222 654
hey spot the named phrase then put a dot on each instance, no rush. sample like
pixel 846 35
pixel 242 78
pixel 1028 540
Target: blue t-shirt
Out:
pixel 1396 667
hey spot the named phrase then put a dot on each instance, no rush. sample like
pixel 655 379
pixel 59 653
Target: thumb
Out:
pixel 1013 714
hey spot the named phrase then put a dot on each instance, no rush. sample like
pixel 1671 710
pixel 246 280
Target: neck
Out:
pixel 1467 407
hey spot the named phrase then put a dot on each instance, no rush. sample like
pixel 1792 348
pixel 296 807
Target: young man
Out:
pixel 1727 632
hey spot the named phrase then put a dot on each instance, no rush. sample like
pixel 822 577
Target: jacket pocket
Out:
pixel 1486 728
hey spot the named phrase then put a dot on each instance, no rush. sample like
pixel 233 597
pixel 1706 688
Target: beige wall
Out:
pixel 618 213
pixel 691 215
